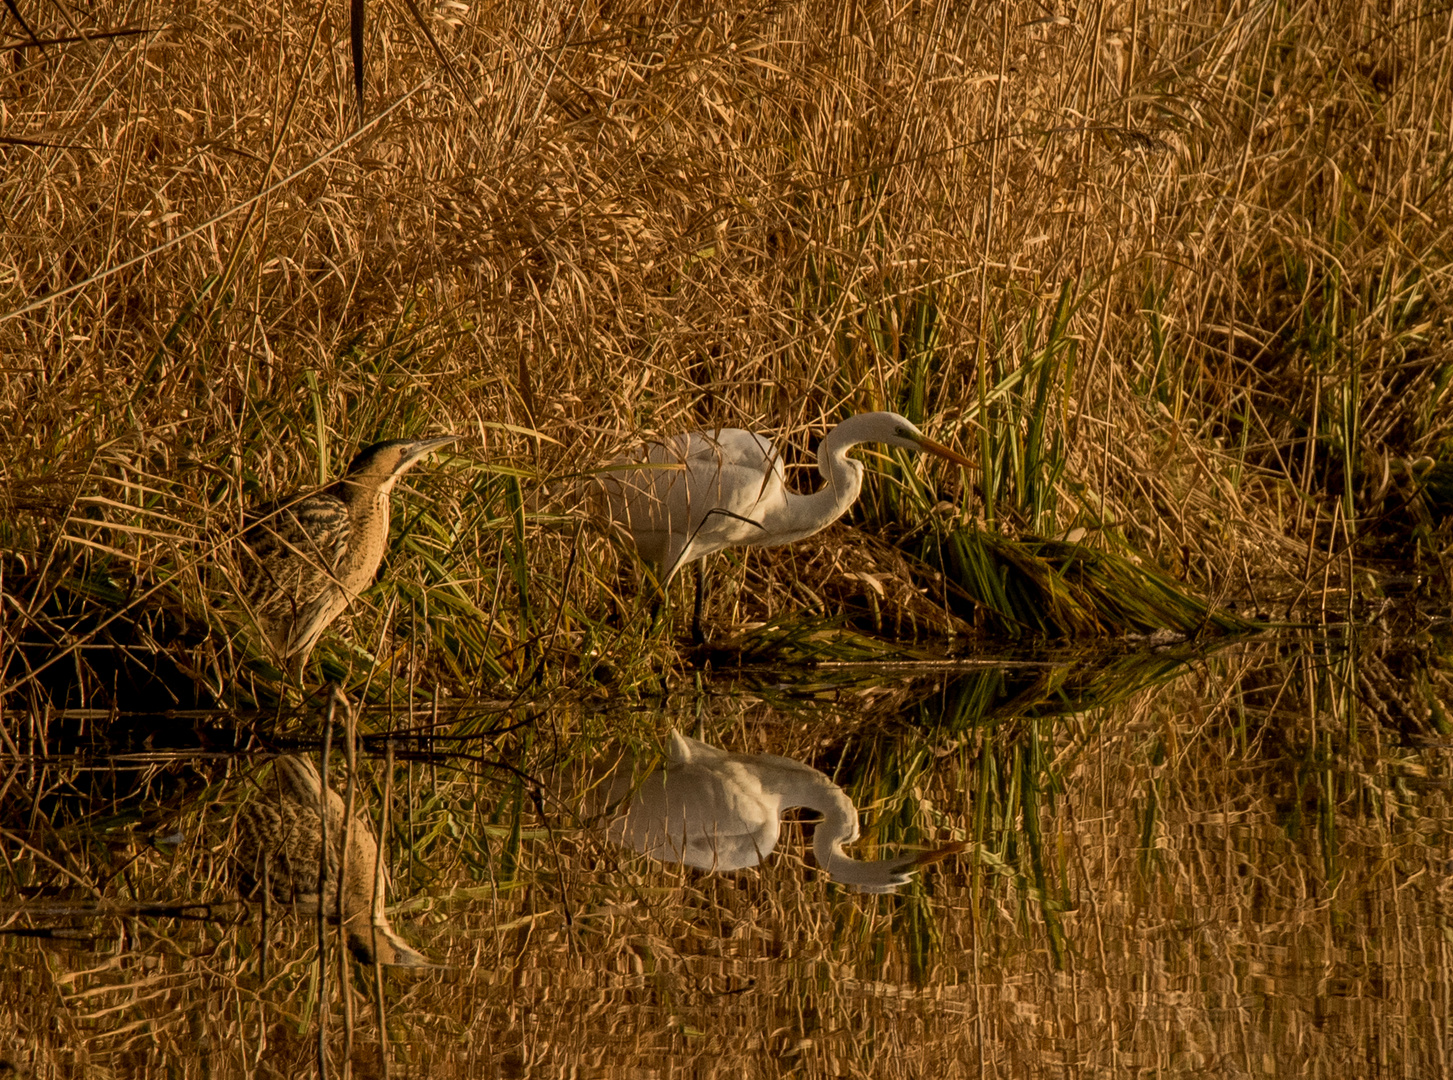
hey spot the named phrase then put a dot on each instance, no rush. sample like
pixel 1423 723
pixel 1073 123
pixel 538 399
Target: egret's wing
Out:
pixel 724 852
pixel 731 446
pixel 698 815
pixel 683 749
pixel 734 484
pixel 647 501
pixel 693 494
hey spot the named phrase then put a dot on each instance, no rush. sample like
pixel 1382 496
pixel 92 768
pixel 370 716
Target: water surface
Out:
pixel 1234 863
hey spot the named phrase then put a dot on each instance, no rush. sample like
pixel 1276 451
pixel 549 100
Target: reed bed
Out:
pixel 1176 277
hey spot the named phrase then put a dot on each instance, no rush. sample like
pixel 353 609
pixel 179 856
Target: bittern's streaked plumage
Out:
pixel 307 557
pixel 279 838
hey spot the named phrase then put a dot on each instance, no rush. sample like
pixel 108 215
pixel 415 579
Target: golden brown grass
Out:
pixel 643 219
pixel 637 219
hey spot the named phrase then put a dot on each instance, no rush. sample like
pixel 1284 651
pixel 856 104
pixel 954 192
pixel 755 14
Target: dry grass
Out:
pixel 644 219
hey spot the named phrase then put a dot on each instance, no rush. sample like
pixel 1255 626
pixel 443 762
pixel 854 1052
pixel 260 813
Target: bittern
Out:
pixel 307 557
pixel 280 837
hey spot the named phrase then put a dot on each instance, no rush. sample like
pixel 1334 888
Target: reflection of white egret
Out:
pixel 721 811
pixel 703 491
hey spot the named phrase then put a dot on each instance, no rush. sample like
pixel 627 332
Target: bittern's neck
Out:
pixel 366 487
pixel 367 499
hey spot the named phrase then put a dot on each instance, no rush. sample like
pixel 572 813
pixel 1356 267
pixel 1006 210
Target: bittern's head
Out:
pixel 384 462
pixel 379 941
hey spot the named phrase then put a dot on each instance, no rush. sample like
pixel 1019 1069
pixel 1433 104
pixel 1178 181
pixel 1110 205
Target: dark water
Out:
pixel 1234 863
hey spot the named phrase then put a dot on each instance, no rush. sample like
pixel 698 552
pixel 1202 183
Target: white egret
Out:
pixel 716 810
pixel 703 491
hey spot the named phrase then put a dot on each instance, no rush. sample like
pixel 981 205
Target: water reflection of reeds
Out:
pixel 1226 863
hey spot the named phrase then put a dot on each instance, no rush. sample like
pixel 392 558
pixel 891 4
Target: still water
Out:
pixel 1175 863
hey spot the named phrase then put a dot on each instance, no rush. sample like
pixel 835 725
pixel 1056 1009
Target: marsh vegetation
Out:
pixel 1175 278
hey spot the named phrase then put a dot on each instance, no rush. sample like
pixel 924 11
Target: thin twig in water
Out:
pixel 350 736
pixel 323 893
pixel 379 1004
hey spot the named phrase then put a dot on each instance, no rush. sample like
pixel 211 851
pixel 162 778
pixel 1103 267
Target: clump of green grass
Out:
pixel 1054 588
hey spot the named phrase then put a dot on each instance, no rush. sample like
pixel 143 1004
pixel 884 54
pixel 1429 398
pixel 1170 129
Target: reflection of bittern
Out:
pixel 307 557
pixel 279 838
pixel 717 810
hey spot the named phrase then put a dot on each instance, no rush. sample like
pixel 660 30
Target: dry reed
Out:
pixel 212 286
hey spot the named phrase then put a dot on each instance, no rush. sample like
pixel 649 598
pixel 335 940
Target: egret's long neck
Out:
pixel 801 785
pixel 805 786
pixel 842 481
pixel 832 453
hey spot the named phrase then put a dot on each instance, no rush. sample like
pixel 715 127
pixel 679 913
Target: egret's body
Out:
pixel 695 494
pixel 716 810
pixel 308 557
pixel 280 841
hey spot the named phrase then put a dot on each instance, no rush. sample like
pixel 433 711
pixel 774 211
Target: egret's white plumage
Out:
pixel 697 493
pixel 716 810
